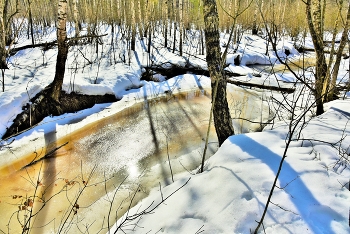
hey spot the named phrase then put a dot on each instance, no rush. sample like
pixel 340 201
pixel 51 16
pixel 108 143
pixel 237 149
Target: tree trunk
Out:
pixel 8 29
pixel 314 19
pixel 255 26
pixel 181 26
pixel 140 24
pixel 341 47
pixel 222 118
pixel 133 25
pixel 174 37
pixel 56 85
pixel 326 84
pixel 166 23
pixel 149 40
pixel 3 64
pixel 31 22
pixel 75 17
pixel 202 43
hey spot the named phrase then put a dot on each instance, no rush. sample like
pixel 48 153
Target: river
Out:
pixel 98 170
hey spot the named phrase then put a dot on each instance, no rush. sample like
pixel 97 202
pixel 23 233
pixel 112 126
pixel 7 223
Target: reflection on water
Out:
pixel 125 155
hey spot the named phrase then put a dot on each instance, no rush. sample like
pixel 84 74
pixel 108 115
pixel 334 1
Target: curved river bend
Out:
pixel 125 154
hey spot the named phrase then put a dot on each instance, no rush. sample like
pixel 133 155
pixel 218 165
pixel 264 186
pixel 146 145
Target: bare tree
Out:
pixel 133 25
pixel 315 22
pixel 331 79
pixel 6 33
pixel 221 113
pixel 3 54
pixel 181 27
pixel 56 85
pixel 75 17
pixel 166 23
pixel 30 27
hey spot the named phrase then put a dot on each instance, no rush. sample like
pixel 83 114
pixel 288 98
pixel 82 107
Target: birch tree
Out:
pixel 330 83
pixel 56 85
pixel 3 64
pixel 166 23
pixel 315 24
pixel 3 53
pixel 133 25
pixel 7 13
pixel 220 110
pixel 324 86
pixel 75 18
pixel 181 26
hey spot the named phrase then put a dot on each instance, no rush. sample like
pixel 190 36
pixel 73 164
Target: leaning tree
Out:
pixel 221 113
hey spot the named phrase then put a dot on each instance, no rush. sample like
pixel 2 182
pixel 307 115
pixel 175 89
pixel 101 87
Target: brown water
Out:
pixel 125 154
pixel 299 65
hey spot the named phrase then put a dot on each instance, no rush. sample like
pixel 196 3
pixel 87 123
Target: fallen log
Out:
pixel 174 70
pixel 45 45
pixel 302 49
pixel 49 45
pixel 170 70
pixel 261 86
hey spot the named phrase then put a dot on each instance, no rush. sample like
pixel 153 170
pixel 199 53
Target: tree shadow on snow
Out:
pixel 345 113
pixel 318 216
pixel 251 217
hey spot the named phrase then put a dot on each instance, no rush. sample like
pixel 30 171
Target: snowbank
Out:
pixel 230 195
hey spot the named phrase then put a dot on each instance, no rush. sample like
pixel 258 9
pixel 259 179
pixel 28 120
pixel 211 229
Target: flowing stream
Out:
pixel 124 155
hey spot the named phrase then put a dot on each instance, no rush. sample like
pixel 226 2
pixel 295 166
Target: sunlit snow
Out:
pixel 230 195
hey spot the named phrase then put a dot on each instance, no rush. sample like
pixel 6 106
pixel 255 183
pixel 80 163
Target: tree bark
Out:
pixel 341 47
pixel 314 19
pixel 3 64
pixel 326 85
pixel 56 85
pixel 6 18
pixel 221 113
pixel 181 26
pixel 166 23
pixel 133 25
pixel 75 18
pixel 30 22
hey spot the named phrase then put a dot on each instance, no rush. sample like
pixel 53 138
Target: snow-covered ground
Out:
pixel 230 195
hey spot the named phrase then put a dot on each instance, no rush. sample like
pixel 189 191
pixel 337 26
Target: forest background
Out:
pixel 325 21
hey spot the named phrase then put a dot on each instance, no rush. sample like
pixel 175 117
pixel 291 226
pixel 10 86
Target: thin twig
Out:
pixel 283 208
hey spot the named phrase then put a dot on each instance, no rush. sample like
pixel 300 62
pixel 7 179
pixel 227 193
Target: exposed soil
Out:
pixel 43 106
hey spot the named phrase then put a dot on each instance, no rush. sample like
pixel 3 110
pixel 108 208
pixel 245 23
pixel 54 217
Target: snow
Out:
pixel 230 195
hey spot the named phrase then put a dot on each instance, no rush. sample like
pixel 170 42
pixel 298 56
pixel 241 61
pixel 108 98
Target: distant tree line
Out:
pixel 175 20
